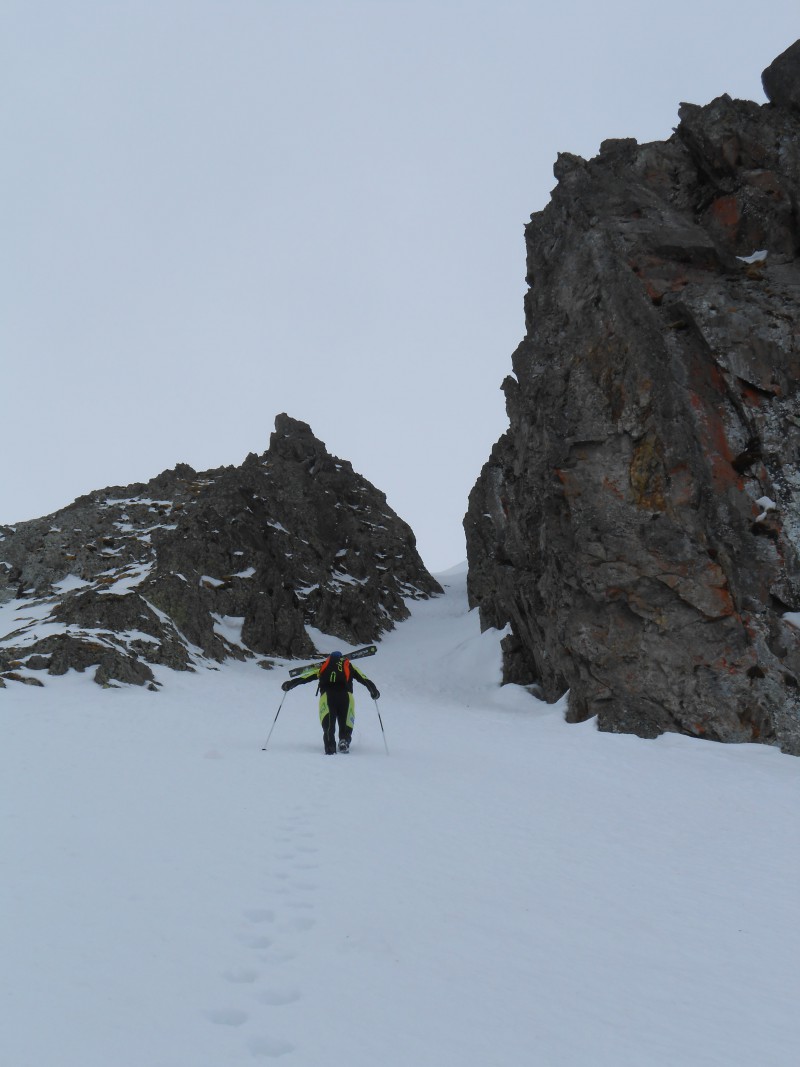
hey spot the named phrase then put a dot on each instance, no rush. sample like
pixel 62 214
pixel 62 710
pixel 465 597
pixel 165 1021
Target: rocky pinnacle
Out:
pixel 193 568
pixel 638 526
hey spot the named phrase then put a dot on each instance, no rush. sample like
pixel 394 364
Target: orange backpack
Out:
pixel 334 673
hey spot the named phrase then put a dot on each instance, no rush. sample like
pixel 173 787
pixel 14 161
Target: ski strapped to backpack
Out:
pixel 360 653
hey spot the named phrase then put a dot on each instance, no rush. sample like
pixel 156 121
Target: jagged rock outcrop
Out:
pixel 781 79
pixel 638 526
pixel 190 568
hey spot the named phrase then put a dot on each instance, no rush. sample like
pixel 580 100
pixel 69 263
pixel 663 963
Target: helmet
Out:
pixel 336 655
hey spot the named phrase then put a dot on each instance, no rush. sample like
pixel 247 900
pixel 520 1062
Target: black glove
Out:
pixel 374 692
pixel 290 684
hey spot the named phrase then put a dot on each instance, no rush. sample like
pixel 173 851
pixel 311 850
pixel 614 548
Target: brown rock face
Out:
pixel 190 568
pixel 638 526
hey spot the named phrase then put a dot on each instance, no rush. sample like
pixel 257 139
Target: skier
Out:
pixel 336 701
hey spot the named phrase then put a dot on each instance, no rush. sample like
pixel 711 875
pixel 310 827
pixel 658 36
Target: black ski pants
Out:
pixel 336 708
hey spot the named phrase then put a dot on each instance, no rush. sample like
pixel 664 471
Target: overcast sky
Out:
pixel 217 210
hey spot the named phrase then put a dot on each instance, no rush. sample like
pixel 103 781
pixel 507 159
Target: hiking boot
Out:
pixel 344 745
pixel 330 748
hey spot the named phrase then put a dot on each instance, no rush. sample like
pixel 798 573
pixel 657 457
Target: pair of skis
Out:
pixel 360 653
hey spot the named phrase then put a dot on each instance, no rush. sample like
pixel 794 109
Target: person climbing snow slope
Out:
pixel 336 700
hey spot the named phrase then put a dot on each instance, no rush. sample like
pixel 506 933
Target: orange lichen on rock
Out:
pixel 725 210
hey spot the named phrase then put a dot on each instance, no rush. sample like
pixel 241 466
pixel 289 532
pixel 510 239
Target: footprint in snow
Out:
pixel 269 1047
pixel 259 915
pixel 276 998
pixel 301 923
pixel 255 942
pixel 281 956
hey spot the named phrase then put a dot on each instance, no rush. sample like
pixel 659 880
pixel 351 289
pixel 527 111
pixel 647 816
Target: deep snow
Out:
pixel 503 888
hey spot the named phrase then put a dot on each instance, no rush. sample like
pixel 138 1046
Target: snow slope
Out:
pixel 503 889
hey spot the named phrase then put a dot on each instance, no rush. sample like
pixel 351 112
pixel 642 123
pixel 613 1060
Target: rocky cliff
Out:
pixel 638 526
pixel 191 568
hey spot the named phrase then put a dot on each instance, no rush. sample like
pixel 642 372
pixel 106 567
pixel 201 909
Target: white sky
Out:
pixel 216 210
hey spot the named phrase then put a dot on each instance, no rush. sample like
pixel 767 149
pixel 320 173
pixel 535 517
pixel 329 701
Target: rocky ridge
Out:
pixel 190 569
pixel 638 526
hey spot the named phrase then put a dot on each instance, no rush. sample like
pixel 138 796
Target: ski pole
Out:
pixel 277 713
pixel 380 720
